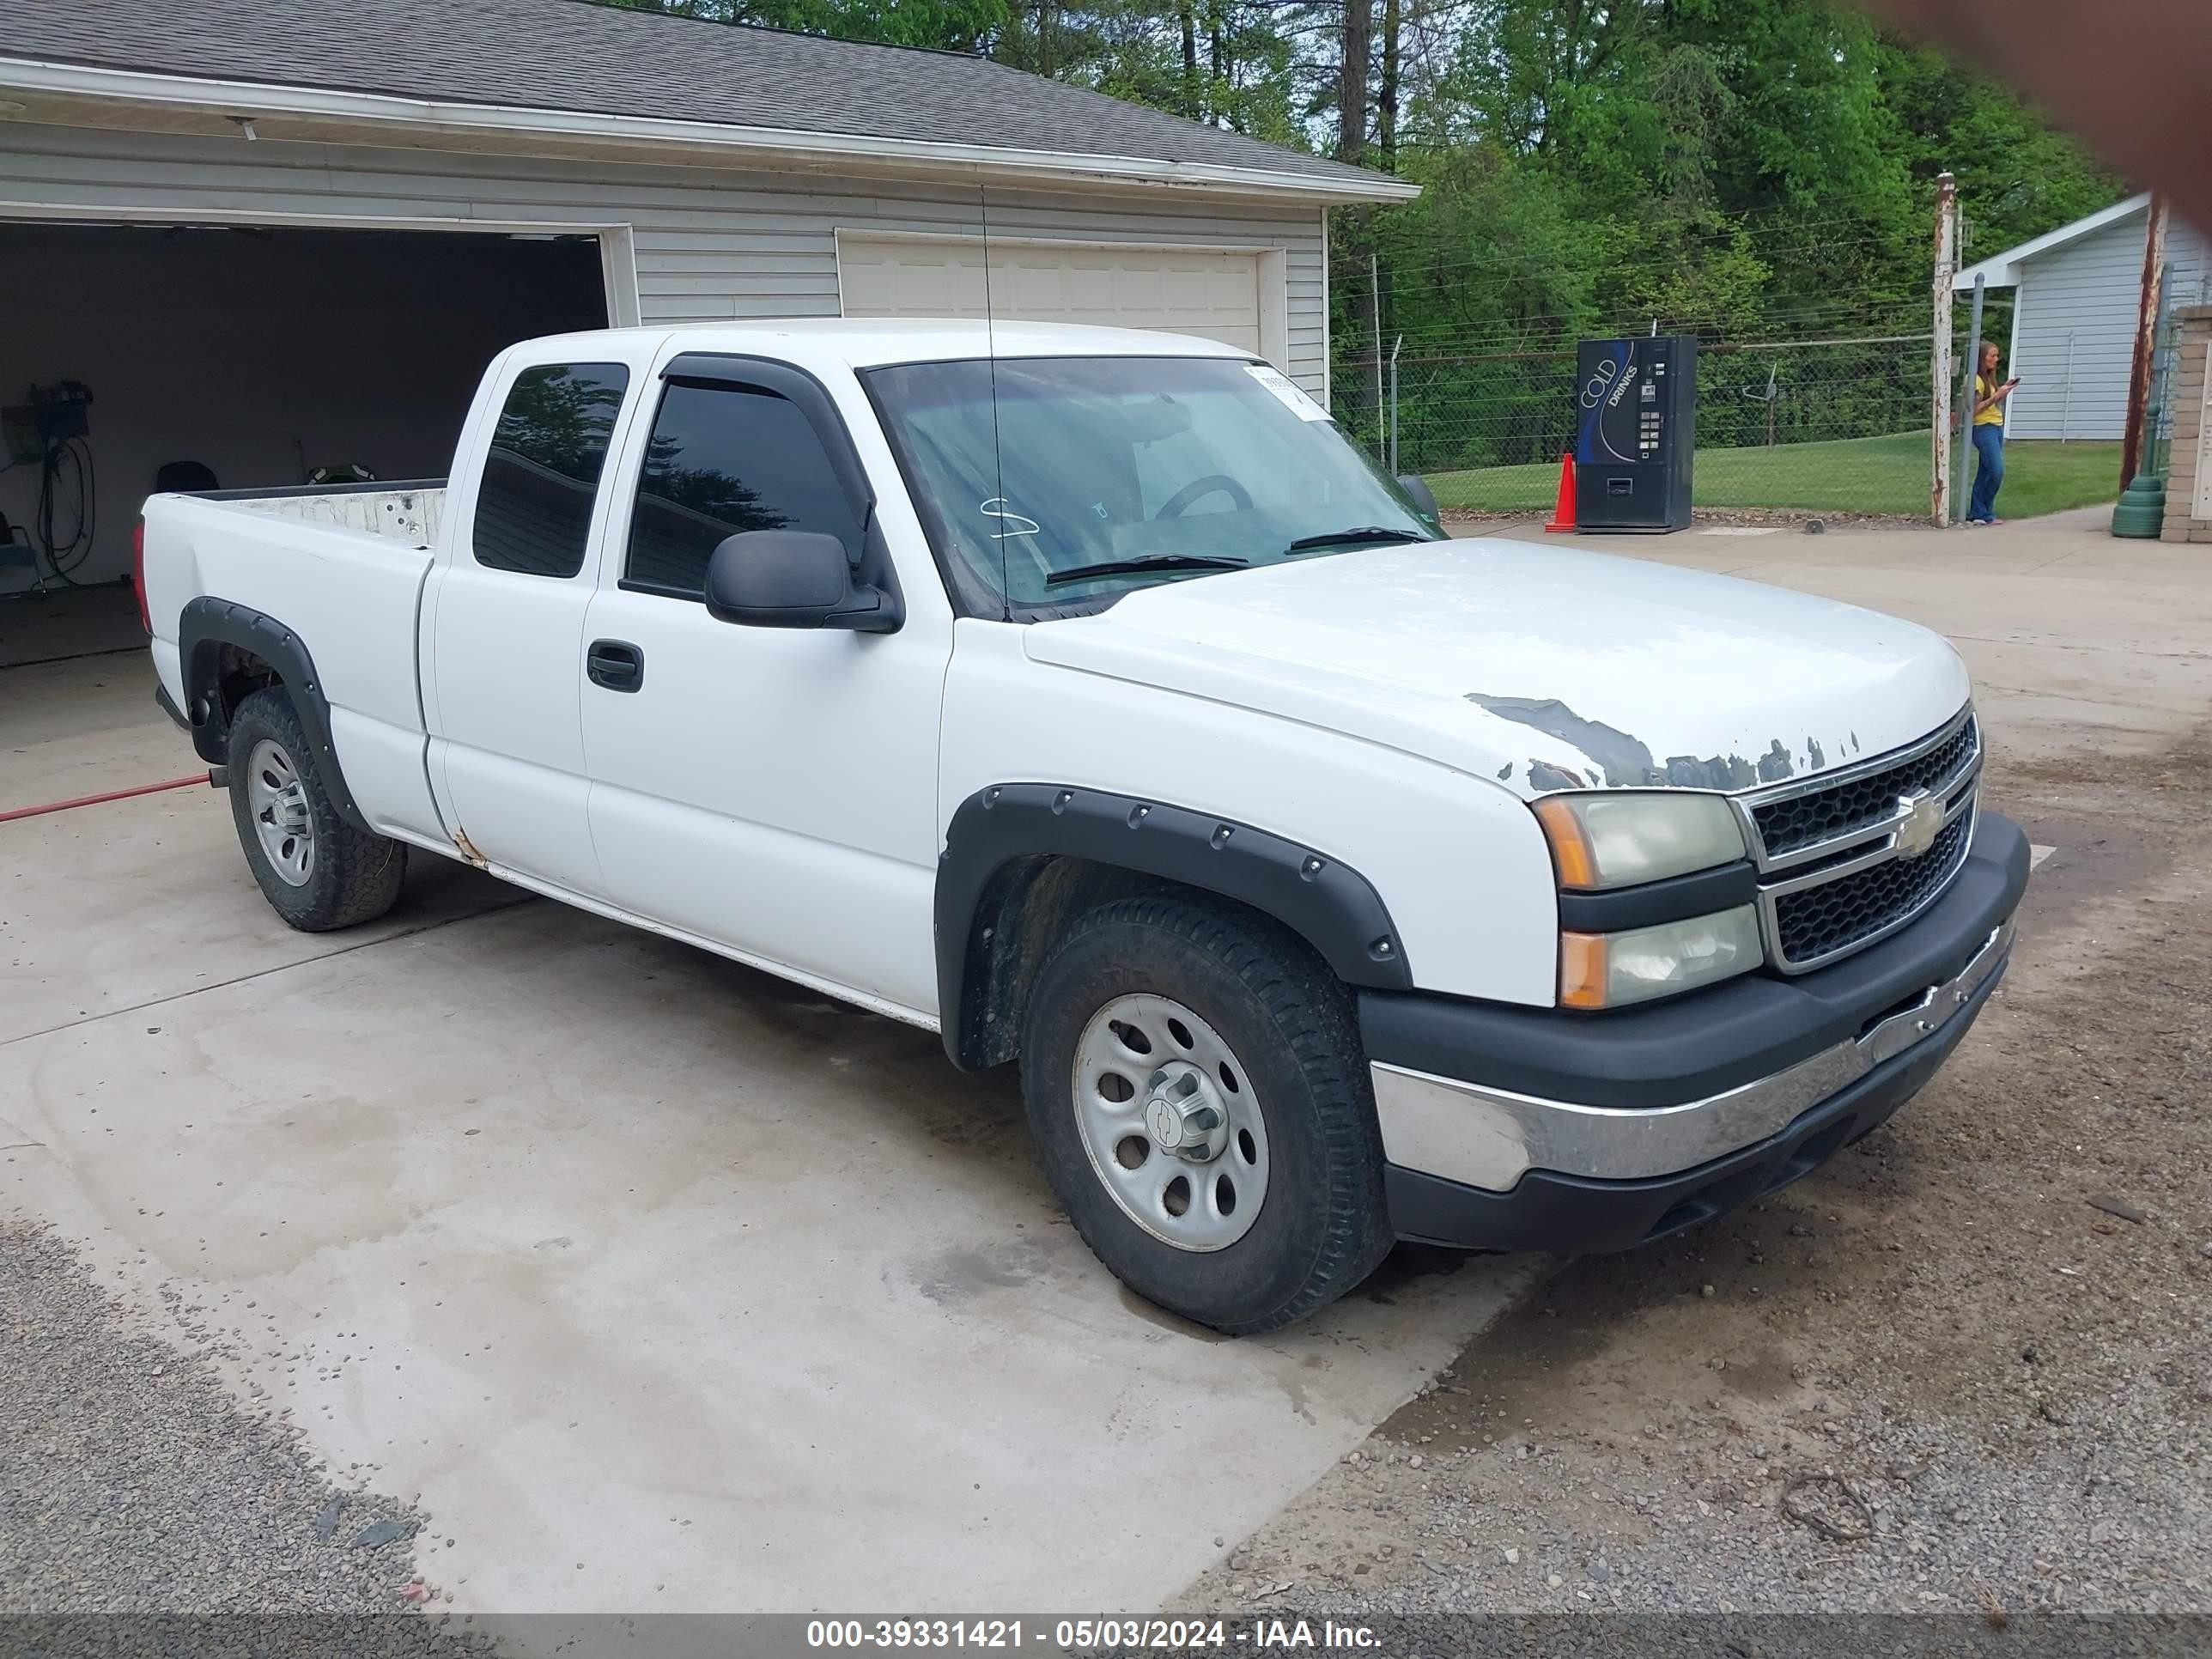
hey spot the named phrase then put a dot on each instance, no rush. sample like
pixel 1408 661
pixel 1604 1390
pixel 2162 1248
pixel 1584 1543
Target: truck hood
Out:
pixel 1541 667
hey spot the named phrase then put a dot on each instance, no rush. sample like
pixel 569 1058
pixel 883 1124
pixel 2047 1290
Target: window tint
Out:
pixel 534 509
pixel 724 460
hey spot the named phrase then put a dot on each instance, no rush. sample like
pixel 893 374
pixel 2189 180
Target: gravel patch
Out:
pixel 133 1483
pixel 1960 1371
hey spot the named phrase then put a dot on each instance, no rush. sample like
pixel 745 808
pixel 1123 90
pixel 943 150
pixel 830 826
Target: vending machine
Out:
pixel 1636 433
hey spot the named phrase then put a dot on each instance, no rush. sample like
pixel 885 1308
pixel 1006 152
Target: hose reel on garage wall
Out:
pixel 53 432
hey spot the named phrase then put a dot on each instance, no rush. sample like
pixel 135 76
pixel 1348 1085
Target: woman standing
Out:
pixel 1989 436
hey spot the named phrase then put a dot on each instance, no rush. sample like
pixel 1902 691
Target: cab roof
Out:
pixel 867 342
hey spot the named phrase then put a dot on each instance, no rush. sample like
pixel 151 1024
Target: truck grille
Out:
pixel 1816 923
pixel 1792 824
pixel 1833 877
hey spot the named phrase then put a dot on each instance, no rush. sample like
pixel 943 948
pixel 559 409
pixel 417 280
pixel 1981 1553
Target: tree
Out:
pixel 944 25
pixel 1355 51
pixel 1740 165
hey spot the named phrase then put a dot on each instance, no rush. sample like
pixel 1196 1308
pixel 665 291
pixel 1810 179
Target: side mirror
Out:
pixel 1417 490
pixel 793 579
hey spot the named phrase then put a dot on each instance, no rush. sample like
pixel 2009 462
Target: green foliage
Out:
pixel 2018 177
pixel 1753 170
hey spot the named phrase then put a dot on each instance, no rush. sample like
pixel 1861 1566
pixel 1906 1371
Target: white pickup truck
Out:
pixel 1086 696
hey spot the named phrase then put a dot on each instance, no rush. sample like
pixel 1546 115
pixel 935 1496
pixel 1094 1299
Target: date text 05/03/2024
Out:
pixel 1093 1635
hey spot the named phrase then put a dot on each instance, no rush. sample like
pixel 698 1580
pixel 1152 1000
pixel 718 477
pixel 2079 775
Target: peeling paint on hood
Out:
pixel 1535 668
pixel 1625 762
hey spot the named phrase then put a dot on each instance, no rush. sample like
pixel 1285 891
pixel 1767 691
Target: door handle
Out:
pixel 615 663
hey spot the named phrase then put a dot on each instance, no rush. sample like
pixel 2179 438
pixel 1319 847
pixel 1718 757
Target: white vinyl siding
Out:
pixel 709 243
pixel 2075 339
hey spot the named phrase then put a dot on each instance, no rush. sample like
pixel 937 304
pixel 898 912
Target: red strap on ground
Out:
pixel 199 778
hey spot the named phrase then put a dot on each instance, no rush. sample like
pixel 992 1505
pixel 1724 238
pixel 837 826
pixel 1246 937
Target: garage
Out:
pixel 193 354
pixel 1232 294
pixel 278 242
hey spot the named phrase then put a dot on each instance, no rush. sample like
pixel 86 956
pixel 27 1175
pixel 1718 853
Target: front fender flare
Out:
pixel 1327 902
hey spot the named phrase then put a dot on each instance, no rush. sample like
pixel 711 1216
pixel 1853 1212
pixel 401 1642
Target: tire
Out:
pixel 1301 1129
pixel 326 874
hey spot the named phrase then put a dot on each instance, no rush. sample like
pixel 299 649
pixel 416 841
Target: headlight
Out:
pixel 1607 970
pixel 1604 840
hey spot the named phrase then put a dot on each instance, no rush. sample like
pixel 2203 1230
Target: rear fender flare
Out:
pixel 206 626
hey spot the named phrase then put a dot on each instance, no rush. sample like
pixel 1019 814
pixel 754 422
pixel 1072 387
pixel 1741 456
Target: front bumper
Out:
pixel 1652 1119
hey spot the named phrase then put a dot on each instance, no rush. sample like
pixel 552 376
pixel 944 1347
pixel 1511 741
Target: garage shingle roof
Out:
pixel 571 56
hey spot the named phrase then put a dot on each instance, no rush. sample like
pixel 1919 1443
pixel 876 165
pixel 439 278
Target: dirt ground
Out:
pixel 1966 1367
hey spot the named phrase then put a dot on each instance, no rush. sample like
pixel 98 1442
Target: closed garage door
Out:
pixel 1214 295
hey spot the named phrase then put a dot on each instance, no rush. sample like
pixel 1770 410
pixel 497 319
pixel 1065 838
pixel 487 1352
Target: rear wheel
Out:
pixel 317 871
pixel 1198 1101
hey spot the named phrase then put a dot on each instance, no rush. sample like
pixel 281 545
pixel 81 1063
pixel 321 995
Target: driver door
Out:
pixel 773 791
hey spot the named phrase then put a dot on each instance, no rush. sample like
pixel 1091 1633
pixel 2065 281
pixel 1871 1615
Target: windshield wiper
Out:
pixel 1363 532
pixel 1138 567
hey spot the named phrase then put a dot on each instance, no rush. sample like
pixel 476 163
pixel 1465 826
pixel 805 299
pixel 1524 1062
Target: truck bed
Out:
pixel 408 510
pixel 343 568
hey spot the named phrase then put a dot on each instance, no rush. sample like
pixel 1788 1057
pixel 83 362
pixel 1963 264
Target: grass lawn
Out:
pixel 1855 475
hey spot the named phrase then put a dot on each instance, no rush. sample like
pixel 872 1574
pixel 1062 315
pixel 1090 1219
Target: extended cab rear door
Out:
pixel 503 625
pixel 773 791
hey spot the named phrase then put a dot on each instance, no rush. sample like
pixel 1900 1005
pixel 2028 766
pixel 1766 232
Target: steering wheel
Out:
pixel 1174 507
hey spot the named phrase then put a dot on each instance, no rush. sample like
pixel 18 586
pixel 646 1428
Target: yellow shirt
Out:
pixel 1994 415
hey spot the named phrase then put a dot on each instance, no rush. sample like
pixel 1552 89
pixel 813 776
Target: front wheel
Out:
pixel 1198 1101
pixel 317 871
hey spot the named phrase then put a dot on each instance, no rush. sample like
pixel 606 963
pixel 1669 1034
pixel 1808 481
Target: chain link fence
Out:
pixel 1818 372
pixel 1835 422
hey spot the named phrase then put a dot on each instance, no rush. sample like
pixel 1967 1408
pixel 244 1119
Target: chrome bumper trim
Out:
pixel 1488 1137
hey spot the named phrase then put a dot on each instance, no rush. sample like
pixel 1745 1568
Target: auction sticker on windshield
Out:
pixel 1289 392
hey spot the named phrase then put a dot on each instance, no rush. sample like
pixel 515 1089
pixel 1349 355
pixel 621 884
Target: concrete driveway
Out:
pixel 665 1285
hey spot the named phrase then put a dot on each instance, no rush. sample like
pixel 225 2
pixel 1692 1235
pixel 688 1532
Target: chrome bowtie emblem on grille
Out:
pixel 1923 822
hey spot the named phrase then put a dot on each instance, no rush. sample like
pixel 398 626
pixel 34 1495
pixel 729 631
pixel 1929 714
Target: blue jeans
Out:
pixel 1988 447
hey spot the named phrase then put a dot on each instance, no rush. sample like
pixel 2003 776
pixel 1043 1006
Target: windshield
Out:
pixel 1093 476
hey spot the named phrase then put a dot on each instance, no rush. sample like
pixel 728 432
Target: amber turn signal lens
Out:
pixel 1582 970
pixel 1570 848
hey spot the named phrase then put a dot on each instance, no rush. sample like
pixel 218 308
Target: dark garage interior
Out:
pixel 253 354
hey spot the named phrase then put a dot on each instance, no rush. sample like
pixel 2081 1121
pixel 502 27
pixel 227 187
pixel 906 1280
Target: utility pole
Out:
pixel 1947 257
pixel 2147 321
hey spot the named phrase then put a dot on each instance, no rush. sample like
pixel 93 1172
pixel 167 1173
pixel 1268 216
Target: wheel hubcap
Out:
pixel 1170 1122
pixel 278 800
pixel 1182 1114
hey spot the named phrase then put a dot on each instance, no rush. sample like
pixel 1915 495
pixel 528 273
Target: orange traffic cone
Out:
pixel 1563 515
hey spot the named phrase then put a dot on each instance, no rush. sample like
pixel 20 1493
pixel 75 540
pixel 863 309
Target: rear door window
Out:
pixel 534 505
